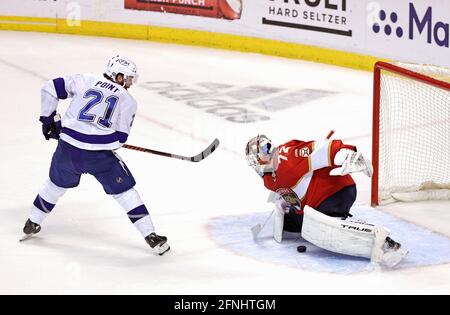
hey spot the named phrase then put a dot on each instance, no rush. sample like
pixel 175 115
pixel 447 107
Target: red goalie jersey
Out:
pixel 305 167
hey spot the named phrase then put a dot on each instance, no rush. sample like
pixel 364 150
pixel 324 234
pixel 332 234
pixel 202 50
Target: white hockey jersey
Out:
pixel 100 115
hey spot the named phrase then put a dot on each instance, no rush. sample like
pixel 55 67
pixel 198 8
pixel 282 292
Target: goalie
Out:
pixel 314 193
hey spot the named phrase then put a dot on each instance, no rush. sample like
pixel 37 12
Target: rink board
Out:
pixel 233 233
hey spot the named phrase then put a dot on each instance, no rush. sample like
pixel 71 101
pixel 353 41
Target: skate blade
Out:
pixel 26 237
pixel 392 259
pixel 161 250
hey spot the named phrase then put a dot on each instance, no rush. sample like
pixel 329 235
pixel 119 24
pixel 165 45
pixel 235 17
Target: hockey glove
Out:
pixel 51 126
pixel 288 201
pixel 351 162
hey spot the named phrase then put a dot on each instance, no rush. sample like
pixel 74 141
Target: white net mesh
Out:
pixel 414 152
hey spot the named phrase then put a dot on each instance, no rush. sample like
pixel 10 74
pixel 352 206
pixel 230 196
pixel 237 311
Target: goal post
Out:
pixel 411 133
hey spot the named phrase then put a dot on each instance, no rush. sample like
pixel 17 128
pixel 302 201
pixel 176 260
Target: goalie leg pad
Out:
pixel 339 236
pixel 278 224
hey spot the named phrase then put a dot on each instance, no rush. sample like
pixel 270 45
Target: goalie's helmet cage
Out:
pixel 261 155
pixel 122 65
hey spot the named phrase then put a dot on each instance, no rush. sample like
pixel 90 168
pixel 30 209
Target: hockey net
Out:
pixel 411 133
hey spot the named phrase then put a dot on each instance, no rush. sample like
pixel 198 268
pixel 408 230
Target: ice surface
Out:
pixel 425 247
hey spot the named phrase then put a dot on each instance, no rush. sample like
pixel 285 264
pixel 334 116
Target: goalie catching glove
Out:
pixel 351 162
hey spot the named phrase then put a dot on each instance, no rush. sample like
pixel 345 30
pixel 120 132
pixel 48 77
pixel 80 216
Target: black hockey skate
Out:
pixel 158 243
pixel 393 253
pixel 30 229
pixel 390 244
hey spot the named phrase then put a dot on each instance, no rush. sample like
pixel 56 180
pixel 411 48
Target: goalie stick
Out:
pixel 259 227
pixel 196 158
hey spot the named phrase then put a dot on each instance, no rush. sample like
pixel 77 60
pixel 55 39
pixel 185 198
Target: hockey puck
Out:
pixel 301 249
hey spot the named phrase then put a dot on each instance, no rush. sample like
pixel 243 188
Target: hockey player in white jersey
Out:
pixel 97 122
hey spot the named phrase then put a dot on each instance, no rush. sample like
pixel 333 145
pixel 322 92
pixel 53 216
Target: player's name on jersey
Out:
pixel 107 85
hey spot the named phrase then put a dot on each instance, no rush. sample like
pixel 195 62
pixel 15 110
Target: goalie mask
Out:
pixel 261 155
pixel 121 65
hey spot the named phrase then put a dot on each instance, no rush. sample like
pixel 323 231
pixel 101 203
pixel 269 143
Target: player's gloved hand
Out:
pixel 287 206
pixel 287 201
pixel 291 208
pixel 283 206
pixel 351 162
pixel 51 126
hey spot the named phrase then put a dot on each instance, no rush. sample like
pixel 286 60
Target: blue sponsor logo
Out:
pixel 420 24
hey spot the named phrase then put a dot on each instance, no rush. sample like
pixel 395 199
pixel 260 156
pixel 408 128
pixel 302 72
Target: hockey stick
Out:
pixel 258 227
pixel 330 134
pixel 197 158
